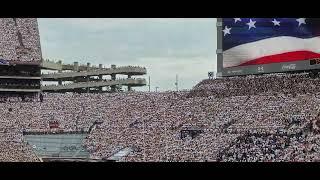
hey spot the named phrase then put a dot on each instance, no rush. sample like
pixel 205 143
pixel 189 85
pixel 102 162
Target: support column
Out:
pixel 88 77
pixel 76 66
pixel 100 78
pixel 60 63
pixel 76 69
pixel 88 66
pixel 129 87
pixel 88 80
pixel 113 77
pixel 59 81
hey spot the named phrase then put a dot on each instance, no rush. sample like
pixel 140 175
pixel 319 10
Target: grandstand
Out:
pixel 20 57
pixel 87 78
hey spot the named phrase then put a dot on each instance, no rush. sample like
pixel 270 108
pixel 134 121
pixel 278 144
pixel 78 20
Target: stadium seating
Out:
pixel 20 40
pixel 254 118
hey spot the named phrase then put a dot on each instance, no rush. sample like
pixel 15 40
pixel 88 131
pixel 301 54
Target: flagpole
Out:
pixel 177 82
pixel 149 83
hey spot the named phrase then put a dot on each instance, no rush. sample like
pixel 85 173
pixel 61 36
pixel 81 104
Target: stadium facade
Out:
pixel 87 78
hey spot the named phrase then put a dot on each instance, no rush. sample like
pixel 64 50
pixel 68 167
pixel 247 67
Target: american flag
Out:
pixel 253 41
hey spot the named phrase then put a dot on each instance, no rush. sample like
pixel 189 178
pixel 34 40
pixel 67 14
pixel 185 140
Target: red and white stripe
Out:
pixel 272 50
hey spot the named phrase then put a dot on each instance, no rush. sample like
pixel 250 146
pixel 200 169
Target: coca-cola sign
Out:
pixel 289 67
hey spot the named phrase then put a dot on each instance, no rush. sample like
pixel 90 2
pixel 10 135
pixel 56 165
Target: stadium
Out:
pixel 262 107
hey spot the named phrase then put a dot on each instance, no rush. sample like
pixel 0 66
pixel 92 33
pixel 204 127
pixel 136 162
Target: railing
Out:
pixel 129 81
pixel 109 71
pixel 57 66
pixel 19 90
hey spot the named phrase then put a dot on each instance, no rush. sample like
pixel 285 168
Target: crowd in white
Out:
pixel 264 118
pixel 19 40
pixel 13 148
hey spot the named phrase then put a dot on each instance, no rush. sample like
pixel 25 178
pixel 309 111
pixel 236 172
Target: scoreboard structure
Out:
pixel 247 46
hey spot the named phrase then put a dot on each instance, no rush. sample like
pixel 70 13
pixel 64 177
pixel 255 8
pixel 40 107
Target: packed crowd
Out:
pixel 263 118
pixel 19 40
pixel 257 85
pixel 14 149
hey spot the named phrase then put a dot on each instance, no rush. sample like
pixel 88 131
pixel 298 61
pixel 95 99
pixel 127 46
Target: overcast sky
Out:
pixel 166 47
